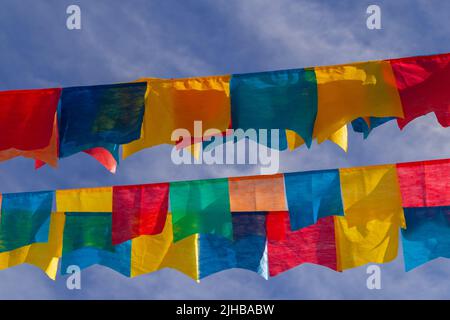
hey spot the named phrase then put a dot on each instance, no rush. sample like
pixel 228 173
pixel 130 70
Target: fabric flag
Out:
pixel 139 210
pixel 118 259
pixel 423 86
pixel 367 124
pixel 340 138
pixel 312 195
pixel 425 183
pixel 258 193
pixel 282 100
pixel 200 206
pixel 287 249
pixel 107 157
pixel 87 241
pixel 27 118
pixel 87 229
pixel 176 103
pixel 48 154
pixel 348 92
pixel 371 193
pixel 45 256
pixel 100 116
pixel 25 219
pixel 84 200
pixel 246 251
pixel 156 252
pixel 368 233
pixel 427 236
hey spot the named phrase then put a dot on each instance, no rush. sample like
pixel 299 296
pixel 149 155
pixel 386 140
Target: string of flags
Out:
pixel 338 218
pixel 305 104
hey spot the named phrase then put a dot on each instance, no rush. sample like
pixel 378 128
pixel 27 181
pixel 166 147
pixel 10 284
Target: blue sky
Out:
pixel 122 41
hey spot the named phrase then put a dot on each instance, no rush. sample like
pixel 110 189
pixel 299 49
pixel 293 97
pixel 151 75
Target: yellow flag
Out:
pixel 369 231
pixel 340 137
pixel 84 200
pixel 156 252
pixel 347 92
pixel 176 103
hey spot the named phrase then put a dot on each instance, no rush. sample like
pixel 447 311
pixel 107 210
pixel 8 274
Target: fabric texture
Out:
pixel 84 200
pixel 200 206
pixel 139 210
pixel 348 92
pixel 45 256
pixel 313 195
pixel 87 229
pixel 246 251
pixel 367 124
pixel 423 87
pixel 25 219
pixel 27 118
pixel 282 100
pixel 427 236
pixel 371 193
pixel 369 231
pixel 156 252
pixel 288 249
pixel 100 116
pixel 176 103
pixel 425 183
pixel 87 241
pixel 257 193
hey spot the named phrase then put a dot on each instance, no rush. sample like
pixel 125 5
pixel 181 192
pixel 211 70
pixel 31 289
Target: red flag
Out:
pixel 423 84
pixel 425 183
pixel 27 117
pixel 288 249
pixel 139 210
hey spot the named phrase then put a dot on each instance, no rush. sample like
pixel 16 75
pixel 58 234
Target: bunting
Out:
pixel 304 104
pixel 338 218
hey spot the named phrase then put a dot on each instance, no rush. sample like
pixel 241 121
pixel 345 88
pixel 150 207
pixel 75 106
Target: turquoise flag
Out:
pixel 25 219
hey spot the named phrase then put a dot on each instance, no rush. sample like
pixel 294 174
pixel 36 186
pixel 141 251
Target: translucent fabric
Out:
pixel 368 233
pixel 117 259
pixel 45 256
pixel 427 236
pixel 48 154
pixel 367 124
pixel 27 118
pixel 87 229
pixel 100 116
pixel 176 103
pixel 425 183
pixel 348 92
pixel 139 210
pixel 282 100
pixel 156 252
pixel 288 249
pixel 371 193
pixel 200 206
pixel 312 195
pixel 84 200
pixel 372 241
pixel 340 138
pixel 25 219
pixel 88 241
pixel 246 251
pixel 423 87
pixel 258 193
